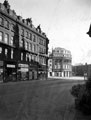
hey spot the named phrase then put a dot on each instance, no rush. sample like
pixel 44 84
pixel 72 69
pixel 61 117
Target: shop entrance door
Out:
pixel 10 74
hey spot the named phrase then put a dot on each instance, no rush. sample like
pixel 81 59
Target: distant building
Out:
pixel 80 70
pixel 59 63
pixel 23 48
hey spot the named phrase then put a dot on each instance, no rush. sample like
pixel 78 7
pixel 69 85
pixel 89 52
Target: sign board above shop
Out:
pixel 23 70
pixel 23 65
pixel 10 66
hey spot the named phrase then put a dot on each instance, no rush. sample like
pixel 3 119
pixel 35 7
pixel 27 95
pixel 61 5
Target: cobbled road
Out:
pixel 38 100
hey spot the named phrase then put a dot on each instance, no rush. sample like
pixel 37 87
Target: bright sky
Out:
pixel 65 22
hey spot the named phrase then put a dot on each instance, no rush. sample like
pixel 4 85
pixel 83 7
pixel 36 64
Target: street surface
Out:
pixel 38 100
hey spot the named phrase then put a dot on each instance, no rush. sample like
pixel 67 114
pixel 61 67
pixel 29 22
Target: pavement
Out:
pixel 68 78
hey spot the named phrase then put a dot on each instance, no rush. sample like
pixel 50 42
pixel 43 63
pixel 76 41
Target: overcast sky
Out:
pixel 64 21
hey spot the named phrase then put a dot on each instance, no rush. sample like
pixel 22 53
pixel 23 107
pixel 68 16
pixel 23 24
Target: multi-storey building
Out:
pixel 80 69
pixel 23 48
pixel 60 63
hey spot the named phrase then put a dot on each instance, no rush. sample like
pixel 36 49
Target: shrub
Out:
pixel 75 90
pixel 82 94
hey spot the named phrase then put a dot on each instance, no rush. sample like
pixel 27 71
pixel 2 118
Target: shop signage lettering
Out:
pixel 10 66
pixel 23 65
pixel 24 69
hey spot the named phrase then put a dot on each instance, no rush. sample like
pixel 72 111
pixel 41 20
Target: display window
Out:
pixel 1 71
pixel 23 72
pixel 1 74
pixel 10 72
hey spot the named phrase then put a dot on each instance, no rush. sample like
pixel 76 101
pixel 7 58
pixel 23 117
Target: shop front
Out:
pixel 42 73
pixel 23 72
pixel 10 73
pixel 33 73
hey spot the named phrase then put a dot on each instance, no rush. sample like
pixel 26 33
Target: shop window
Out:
pixel 6 39
pixel 6 52
pixel 0 50
pixel 50 73
pixel 1 36
pixel 21 56
pixel 12 54
pixel 23 72
pixel 1 21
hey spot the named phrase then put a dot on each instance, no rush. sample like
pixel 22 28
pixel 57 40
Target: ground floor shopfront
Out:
pixel 8 71
pixel 17 71
pixel 60 74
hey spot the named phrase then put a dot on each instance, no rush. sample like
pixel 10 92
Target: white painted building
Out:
pixel 59 63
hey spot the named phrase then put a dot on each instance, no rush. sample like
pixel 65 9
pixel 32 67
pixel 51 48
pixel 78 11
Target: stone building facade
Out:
pixel 23 48
pixel 59 63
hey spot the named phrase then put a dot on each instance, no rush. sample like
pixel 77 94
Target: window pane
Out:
pixel 34 38
pixel 6 24
pixel 30 36
pixel 22 31
pixel 21 42
pixel 12 27
pixel 11 42
pixel 6 38
pixel 0 49
pixel 27 34
pixel 1 21
pixel 1 36
pixel 25 45
pixel 11 54
pixel 21 56
pixel 6 51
